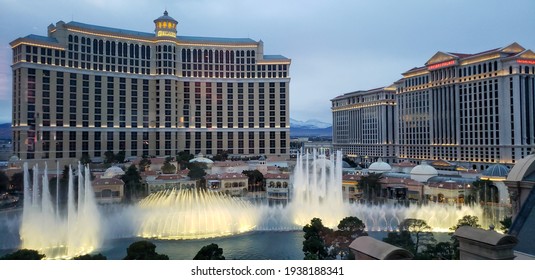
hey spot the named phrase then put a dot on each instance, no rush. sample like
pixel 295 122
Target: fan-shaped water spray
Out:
pixel 192 214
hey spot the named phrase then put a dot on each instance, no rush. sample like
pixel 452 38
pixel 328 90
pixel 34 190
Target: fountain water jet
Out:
pixel 43 228
pixel 193 214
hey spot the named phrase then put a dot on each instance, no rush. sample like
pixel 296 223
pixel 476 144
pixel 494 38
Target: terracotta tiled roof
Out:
pixel 277 176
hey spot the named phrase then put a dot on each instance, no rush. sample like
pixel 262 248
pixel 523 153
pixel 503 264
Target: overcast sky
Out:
pixel 335 46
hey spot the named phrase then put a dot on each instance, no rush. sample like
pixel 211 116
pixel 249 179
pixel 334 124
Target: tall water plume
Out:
pixel 45 228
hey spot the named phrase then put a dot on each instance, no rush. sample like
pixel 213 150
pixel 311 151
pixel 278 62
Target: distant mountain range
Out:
pixel 5 131
pixel 310 128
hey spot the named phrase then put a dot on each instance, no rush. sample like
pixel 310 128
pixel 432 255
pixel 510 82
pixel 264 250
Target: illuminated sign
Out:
pixel 440 65
pixel 523 61
pixel 162 33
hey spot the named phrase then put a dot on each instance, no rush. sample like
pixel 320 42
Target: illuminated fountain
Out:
pixel 317 190
pixel 193 214
pixel 46 229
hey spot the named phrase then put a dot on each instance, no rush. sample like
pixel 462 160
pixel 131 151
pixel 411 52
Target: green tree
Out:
pixel 371 185
pixel 183 159
pixel 109 157
pixel 196 170
pixel 89 257
pixel 421 232
pixel 314 246
pixel 85 159
pixel 23 254
pixel 255 180
pixel 132 183
pixel 505 224
pixel 63 186
pixel 402 239
pixel 221 155
pixel 168 168
pixel 439 251
pixel 143 250
pixel 17 180
pixel 210 252
pixel 4 182
pixel 144 164
pixel 467 220
pixel 351 226
pixel 120 156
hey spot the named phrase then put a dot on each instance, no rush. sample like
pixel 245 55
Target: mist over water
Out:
pixel 194 214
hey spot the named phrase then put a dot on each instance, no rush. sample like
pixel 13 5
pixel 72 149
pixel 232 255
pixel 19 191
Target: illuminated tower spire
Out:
pixel 165 26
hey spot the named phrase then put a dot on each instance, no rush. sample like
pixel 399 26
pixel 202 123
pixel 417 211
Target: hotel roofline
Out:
pixel 96 30
pixel 439 60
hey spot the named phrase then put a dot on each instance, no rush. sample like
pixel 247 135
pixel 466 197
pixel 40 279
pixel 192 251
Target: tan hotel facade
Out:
pixel 91 89
pixel 470 109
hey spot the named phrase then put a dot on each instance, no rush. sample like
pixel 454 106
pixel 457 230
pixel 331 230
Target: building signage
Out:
pixel 524 61
pixel 441 65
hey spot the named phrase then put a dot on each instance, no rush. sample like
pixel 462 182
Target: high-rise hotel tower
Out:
pixel 471 109
pixel 87 89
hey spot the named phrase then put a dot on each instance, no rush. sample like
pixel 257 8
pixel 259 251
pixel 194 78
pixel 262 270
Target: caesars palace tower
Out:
pixel 87 89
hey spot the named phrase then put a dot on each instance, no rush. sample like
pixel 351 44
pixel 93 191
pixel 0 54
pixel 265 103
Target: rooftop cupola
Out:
pixel 165 26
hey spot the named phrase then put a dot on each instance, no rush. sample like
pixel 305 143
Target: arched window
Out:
pixel 70 38
pixel 76 39
pixel 194 55
pixel 120 49
pixel 495 65
pixel 95 46
pixel 113 48
pixel 132 52
pixel 205 57
pixel 183 55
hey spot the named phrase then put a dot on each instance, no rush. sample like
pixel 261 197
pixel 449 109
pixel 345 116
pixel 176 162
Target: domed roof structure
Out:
pixel 379 167
pixel 497 170
pixel 112 172
pixel 423 172
pixel 200 158
pixel 523 170
pixel 13 159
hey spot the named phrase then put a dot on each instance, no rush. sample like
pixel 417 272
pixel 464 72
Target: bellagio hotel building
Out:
pixel 471 109
pixel 87 89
